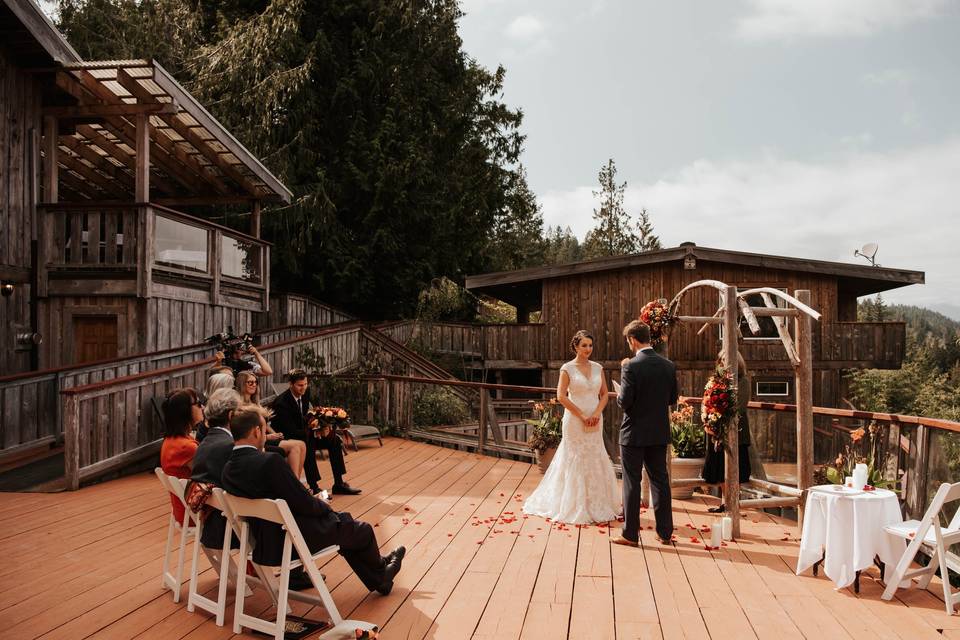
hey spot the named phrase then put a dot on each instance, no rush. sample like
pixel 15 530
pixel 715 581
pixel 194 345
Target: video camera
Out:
pixel 227 341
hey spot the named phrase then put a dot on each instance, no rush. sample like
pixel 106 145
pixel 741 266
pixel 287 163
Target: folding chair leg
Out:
pixel 898 573
pixel 194 570
pixel 181 556
pixel 935 560
pixel 166 554
pixel 242 580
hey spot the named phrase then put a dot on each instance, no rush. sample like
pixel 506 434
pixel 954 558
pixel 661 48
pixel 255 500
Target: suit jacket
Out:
pixel 287 419
pixel 648 386
pixel 250 473
pixel 208 463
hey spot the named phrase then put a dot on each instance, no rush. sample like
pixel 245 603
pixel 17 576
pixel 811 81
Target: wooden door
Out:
pixel 95 338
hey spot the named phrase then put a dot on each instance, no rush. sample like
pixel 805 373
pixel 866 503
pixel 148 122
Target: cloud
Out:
pixel 778 19
pixel 887 77
pixel 907 201
pixel 525 28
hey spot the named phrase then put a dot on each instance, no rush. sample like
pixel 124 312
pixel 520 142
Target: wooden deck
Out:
pixel 87 565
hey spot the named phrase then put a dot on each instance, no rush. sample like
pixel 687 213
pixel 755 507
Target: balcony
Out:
pixel 149 251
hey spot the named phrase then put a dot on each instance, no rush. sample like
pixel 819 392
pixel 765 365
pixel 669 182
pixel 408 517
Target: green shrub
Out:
pixel 438 406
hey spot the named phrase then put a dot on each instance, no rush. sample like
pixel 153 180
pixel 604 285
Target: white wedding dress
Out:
pixel 580 486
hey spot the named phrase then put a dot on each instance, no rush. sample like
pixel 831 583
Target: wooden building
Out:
pixel 605 294
pixel 100 161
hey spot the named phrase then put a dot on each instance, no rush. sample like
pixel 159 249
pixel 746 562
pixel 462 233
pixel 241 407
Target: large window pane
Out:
pixel 180 245
pixel 239 259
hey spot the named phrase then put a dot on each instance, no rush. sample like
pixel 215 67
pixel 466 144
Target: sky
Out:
pixel 803 128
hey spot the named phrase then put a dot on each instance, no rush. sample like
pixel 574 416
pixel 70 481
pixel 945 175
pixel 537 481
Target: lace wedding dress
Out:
pixel 580 486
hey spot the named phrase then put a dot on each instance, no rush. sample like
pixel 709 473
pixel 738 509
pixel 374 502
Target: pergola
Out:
pixel 132 133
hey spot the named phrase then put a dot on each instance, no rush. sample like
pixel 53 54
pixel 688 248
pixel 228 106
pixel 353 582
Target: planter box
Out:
pixel 543 459
pixel 683 469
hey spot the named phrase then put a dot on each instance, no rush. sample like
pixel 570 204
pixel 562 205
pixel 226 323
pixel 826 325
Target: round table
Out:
pixel 844 529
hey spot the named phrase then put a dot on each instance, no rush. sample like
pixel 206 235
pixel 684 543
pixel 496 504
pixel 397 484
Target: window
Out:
pixel 239 259
pixel 180 245
pixel 773 388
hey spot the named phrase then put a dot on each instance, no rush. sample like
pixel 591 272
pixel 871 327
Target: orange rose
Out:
pixel 341 414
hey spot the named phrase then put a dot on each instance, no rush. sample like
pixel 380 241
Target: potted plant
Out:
pixel 547 431
pixel 688 442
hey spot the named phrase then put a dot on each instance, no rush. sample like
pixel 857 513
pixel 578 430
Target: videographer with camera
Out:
pixel 231 350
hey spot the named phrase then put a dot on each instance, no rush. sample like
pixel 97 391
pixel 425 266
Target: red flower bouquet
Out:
pixel 719 406
pixel 656 315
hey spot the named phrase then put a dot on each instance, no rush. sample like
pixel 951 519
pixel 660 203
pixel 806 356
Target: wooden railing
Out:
pixel 144 250
pixel 499 345
pixel 110 424
pixel 30 403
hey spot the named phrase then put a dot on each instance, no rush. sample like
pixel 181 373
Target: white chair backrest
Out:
pixel 174 485
pixel 272 511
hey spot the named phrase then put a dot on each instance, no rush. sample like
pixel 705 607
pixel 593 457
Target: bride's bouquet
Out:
pixel 547 426
pixel 719 406
pixel 656 315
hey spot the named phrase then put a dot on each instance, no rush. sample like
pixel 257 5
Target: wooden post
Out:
pixel 71 442
pixel 803 325
pixel 731 485
pixel 255 219
pixel 370 402
pixel 215 242
pixel 482 433
pixel 142 174
pixel 915 494
pixel 51 170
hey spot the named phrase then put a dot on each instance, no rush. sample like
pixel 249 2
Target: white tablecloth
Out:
pixel 847 532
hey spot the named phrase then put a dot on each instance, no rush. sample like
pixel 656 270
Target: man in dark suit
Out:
pixel 648 386
pixel 290 418
pixel 212 455
pixel 253 473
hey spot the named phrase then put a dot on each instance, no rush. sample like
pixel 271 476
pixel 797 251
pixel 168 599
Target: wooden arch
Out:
pixel 799 349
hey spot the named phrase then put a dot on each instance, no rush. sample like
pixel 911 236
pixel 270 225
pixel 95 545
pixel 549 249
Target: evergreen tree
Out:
pixel 403 159
pixel 646 240
pixel 561 246
pixel 612 235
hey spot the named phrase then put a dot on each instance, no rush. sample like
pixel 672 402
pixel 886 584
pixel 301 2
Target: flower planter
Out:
pixel 544 459
pixel 684 469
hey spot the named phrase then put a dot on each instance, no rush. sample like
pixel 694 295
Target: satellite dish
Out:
pixel 869 251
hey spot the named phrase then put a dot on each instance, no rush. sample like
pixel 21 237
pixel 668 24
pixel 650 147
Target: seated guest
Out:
pixel 289 418
pixel 253 473
pixel 212 454
pixel 293 450
pixel 181 411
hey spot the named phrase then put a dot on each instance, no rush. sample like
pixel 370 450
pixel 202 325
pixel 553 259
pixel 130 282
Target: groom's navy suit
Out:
pixel 648 386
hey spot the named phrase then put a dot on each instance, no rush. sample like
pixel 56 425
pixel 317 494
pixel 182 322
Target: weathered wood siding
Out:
pixel 20 128
pixel 290 309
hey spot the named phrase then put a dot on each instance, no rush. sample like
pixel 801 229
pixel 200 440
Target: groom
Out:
pixel 648 386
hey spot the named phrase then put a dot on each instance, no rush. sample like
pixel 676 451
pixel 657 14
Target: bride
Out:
pixel 580 486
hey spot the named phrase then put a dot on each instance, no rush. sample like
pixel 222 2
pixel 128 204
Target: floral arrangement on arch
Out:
pixel 547 426
pixel 719 406
pixel 657 316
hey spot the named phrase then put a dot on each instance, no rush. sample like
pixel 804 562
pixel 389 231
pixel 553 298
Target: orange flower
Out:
pixel 857 435
pixel 341 413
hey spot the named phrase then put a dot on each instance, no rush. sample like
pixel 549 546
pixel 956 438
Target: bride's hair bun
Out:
pixel 578 336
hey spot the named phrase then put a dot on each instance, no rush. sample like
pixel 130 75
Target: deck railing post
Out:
pixel 71 442
pixel 482 433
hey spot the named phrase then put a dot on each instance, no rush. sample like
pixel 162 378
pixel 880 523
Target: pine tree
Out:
pixel 646 240
pixel 561 246
pixel 612 235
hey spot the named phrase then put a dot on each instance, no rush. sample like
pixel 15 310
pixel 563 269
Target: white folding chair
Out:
pixel 277 511
pixel 927 533
pixel 169 580
pixel 221 562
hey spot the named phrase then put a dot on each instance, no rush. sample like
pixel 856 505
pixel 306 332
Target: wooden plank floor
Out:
pixel 87 565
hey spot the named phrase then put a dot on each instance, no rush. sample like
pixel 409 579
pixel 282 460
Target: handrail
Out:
pixel 145 354
pixel 97 386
